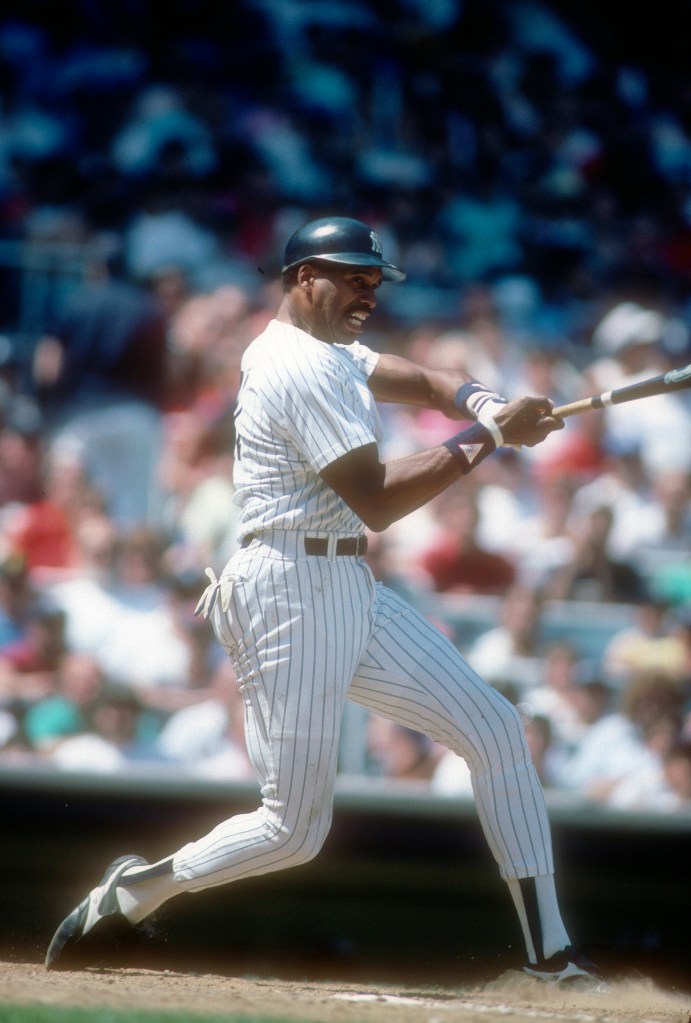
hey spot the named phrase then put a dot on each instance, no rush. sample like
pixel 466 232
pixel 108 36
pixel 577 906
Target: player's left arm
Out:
pixel 454 393
pixel 399 380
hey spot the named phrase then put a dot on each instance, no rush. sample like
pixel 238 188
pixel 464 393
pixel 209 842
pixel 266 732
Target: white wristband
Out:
pixel 489 424
pixel 484 404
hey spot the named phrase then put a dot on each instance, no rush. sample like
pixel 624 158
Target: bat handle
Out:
pixel 562 411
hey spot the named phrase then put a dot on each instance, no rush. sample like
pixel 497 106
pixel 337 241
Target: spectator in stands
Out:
pixel 614 746
pixel 623 486
pixel 160 123
pixel 508 500
pixel 80 682
pixel 16 597
pixel 116 739
pixel 22 449
pixel 85 596
pixel 629 340
pixel 592 573
pixel 153 640
pixel 556 698
pixel 400 753
pixel 509 656
pixel 196 479
pixel 541 542
pixel 676 768
pixel 457 562
pixel 662 531
pixel 10 742
pixel 134 614
pixel 99 374
pixel 658 779
pixel 625 344
pixel 648 643
pixel 29 666
pixel 207 738
pixel 681 628
pixel 43 530
pixel 479 222
pixel 206 338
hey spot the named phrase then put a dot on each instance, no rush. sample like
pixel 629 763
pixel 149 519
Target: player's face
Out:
pixel 342 299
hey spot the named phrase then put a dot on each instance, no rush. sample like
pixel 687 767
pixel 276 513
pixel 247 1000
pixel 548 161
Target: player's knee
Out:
pixel 301 843
pixel 499 738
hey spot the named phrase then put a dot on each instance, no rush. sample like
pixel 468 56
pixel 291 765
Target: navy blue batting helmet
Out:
pixel 339 240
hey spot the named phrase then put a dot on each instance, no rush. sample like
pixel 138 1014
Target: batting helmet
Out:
pixel 339 240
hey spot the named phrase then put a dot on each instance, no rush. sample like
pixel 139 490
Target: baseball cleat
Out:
pixel 98 916
pixel 566 967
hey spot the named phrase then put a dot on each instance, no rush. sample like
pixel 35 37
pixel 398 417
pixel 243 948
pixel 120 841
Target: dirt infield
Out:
pixel 512 997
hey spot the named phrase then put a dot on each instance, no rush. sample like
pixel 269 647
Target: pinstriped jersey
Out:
pixel 302 404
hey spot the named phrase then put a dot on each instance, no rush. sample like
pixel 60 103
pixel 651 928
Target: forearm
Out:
pixel 406 383
pixel 409 483
pixel 453 392
pixel 382 493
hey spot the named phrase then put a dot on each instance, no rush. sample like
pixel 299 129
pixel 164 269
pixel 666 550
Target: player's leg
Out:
pixel 413 674
pixel 294 660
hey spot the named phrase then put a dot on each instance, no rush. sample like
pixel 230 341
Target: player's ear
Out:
pixel 305 276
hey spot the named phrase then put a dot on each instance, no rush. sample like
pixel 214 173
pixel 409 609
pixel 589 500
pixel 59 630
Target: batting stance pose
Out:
pixel 306 625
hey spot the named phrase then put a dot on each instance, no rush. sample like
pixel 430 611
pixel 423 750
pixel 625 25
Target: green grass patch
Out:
pixel 62 1014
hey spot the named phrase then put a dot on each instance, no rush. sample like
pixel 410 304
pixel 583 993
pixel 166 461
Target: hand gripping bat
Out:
pixel 673 380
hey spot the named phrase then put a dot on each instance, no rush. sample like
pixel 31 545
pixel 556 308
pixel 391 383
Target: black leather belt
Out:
pixel 354 546
pixel 347 546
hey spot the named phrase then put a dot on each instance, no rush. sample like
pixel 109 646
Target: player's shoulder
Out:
pixel 360 356
pixel 279 344
pixel 283 351
pixel 258 352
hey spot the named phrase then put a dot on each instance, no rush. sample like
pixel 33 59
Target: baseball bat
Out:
pixel 673 380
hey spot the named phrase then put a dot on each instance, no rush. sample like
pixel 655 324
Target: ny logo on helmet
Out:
pixel 376 244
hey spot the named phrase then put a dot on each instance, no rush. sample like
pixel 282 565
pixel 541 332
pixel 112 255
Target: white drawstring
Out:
pixel 207 601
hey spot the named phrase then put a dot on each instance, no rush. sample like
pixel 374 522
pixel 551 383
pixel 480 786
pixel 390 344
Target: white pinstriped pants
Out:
pixel 307 632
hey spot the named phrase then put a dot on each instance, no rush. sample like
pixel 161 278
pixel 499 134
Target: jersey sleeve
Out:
pixel 329 410
pixel 363 358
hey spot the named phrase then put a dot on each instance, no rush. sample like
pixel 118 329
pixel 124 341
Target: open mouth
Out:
pixel 356 319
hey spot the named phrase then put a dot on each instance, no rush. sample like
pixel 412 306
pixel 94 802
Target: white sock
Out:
pixel 143 889
pixel 538 911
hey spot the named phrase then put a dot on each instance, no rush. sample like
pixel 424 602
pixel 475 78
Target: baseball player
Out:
pixel 307 627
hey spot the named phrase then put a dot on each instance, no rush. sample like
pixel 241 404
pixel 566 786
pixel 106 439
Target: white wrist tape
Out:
pixel 488 422
pixel 483 405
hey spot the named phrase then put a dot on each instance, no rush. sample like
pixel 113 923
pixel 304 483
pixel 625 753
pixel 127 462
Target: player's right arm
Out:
pixel 383 492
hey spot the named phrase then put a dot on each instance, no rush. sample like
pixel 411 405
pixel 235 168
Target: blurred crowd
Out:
pixel 539 198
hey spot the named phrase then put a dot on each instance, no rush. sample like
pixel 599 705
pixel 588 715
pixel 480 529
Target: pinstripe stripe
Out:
pixel 296 664
pixel 306 633
pixel 294 685
pixel 414 674
pixel 302 404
